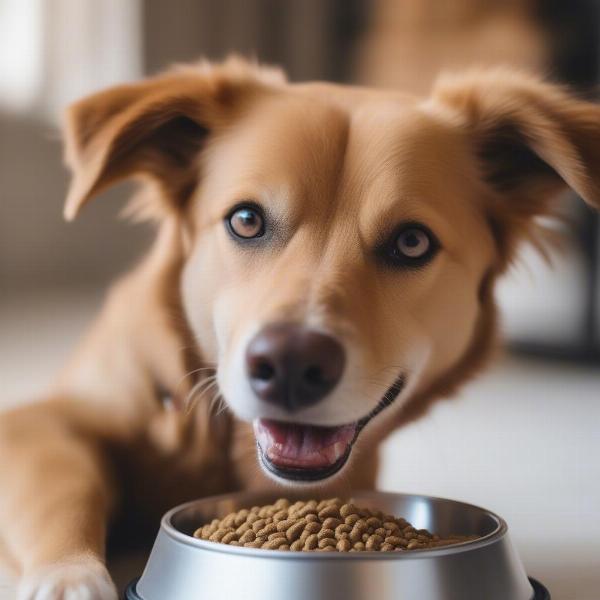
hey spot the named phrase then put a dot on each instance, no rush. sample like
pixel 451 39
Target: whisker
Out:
pixel 224 406
pixel 197 391
pixel 199 396
pixel 193 372
pixel 214 398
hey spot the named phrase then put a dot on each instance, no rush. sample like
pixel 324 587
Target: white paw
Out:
pixel 80 579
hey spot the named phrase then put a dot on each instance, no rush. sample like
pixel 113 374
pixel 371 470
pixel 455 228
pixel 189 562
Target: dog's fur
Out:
pixel 337 168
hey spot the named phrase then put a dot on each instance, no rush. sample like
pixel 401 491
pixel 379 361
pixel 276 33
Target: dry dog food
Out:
pixel 327 526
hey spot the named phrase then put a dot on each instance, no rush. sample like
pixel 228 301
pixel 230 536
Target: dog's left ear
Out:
pixel 156 129
pixel 530 138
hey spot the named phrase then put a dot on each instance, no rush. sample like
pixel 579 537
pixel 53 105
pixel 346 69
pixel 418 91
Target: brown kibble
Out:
pixel 297 545
pixel 258 525
pixel 322 526
pixel 374 542
pixel 241 516
pixel 218 535
pixel 304 536
pixel 229 537
pixel 344 545
pixel 294 508
pixel 313 527
pixel 323 504
pixel 265 512
pixel 285 524
pixel 295 531
pixel 343 528
pixel 371 545
pixel 329 511
pixel 307 510
pixel 326 533
pixel 267 530
pixel 249 536
pixel 394 540
pixel 352 519
pixel 331 523
pixel 357 531
pixel 281 515
pixel 229 520
pixel 252 518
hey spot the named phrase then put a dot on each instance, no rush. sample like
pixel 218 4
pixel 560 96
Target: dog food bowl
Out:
pixel 182 567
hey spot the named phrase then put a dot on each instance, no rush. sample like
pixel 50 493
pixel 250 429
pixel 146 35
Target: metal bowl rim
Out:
pixel 498 533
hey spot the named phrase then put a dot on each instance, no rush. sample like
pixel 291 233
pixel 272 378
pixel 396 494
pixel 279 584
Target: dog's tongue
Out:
pixel 290 445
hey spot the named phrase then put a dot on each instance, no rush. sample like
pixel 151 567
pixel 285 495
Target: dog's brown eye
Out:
pixel 413 243
pixel 246 222
pixel 411 246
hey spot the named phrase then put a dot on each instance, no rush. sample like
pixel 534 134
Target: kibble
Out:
pixel 321 526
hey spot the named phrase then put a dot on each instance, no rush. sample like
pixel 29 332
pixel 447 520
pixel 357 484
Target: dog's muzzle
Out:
pixel 302 452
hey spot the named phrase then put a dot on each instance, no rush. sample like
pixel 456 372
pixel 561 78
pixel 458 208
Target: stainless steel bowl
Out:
pixel 182 567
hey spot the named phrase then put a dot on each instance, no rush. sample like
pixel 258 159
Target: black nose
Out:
pixel 293 366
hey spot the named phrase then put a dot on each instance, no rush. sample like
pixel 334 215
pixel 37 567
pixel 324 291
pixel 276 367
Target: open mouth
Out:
pixel 302 452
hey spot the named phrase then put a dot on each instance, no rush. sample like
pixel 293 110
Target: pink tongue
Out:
pixel 302 446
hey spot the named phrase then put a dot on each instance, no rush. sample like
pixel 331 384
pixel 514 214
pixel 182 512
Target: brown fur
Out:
pixel 343 163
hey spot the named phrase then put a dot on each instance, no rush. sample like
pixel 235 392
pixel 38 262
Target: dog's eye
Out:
pixel 412 245
pixel 246 222
pixel 413 242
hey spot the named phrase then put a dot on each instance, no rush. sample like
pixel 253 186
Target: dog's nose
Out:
pixel 293 366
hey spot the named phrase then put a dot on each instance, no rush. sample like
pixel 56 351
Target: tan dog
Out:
pixel 327 253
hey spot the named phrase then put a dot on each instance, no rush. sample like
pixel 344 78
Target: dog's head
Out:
pixel 341 243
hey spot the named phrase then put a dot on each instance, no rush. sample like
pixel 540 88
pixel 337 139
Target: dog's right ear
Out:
pixel 156 129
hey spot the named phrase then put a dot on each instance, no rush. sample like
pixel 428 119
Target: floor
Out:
pixel 523 441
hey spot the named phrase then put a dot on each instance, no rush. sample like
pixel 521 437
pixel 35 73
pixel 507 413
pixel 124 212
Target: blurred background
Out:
pixel 533 420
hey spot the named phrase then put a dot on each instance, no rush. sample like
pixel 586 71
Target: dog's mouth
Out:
pixel 304 452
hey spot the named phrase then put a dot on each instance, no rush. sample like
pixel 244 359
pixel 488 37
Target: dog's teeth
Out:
pixel 339 448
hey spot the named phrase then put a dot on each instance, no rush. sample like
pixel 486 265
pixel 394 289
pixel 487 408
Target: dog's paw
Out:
pixel 80 579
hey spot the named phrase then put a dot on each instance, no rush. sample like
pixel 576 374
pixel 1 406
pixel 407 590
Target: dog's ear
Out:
pixel 155 129
pixel 531 139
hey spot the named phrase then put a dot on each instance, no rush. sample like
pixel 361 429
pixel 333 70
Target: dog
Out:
pixel 323 271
